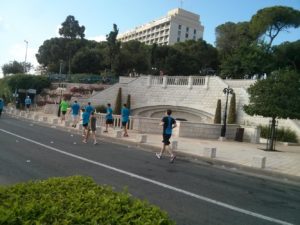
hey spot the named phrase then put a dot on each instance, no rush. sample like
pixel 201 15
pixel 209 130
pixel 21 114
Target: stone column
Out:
pixel 165 78
pixel 206 82
pixel 149 81
pixel 190 82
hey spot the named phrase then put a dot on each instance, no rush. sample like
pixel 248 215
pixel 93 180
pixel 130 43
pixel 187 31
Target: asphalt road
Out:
pixel 191 193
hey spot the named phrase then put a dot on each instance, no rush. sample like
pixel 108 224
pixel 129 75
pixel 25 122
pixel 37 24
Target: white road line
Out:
pixel 212 201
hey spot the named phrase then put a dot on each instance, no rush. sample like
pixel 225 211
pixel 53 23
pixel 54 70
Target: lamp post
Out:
pixel 25 55
pixel 226 91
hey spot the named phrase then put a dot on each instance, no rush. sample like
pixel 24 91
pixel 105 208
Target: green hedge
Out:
pixel 284 135
pixel 74 200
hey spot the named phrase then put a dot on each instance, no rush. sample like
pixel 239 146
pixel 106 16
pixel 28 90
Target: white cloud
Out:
pixel 98 38
pixel 3 24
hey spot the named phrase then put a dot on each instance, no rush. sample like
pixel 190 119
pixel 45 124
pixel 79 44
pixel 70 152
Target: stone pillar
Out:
pixel 149 81
pixel 206 82
pixel 255 136
pixel 190 82
pixel 165 78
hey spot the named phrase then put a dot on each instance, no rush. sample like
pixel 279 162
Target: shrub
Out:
pixel 282 134
pixel 128 101
pixel 232 110
pixel 217 119
pixel 74 200
pixel 118 105
pixel 100 108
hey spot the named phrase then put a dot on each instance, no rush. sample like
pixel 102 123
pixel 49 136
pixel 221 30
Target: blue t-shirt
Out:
pixel 125 114
pixel 1 104
pixel 27 101
pixel 168 124
pixel 85 118
pixel 109 114
pixel 89 109
pixel 75 109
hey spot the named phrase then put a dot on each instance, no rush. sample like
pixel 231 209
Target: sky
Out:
pixel 35 21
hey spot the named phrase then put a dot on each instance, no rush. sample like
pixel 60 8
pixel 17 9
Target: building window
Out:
pixel 195 31
pixel 178 39
pixel 179 27
pixel 179 33
pixel 187 29
pixel 186 35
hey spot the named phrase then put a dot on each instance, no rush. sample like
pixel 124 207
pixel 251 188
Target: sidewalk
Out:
pixel 285 162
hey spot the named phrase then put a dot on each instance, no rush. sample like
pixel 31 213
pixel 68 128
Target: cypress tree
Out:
pixel 217 119
pixel 118 104
pixel 232 110
pixel 128 101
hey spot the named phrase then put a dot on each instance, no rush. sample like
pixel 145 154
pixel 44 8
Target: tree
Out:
pixel 13 68
pixel 70 28
pixel 269 22
pixel 287 55
pixel 230 36
pixel 128 101
pixel 118 105
pixel 217 119
pixel 278 96
pixel 232 110
pixel 134 57
pixel 113 47
pixel 87 61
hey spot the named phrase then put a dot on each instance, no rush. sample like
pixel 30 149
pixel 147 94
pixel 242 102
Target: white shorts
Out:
pixel 75 117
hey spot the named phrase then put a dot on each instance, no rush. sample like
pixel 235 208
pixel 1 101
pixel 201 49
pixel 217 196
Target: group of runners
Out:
pixel 88 119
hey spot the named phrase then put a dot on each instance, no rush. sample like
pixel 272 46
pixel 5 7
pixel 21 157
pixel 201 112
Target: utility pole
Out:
pixel 25 56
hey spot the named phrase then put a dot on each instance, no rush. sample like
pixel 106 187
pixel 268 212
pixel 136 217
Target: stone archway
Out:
pixel 179 112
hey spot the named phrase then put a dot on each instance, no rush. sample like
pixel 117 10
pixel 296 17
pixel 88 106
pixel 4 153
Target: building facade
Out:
pixel 177 26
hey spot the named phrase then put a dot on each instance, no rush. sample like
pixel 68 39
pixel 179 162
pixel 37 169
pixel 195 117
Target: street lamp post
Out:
pixel 25 55
pixel 226 91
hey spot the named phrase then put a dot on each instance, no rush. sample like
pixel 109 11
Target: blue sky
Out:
pixel 39 20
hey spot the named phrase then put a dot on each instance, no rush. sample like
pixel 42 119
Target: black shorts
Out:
pixel 109 121
pixel 0 111
pixel 166 139
pixel 85 125
pixel 27 106
pixel 124 123
pixel 64 112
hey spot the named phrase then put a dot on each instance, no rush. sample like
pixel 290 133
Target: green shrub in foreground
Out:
pixel 282 134
pixel 74 200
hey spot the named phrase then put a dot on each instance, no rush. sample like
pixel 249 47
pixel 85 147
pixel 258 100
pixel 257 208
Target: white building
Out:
pixel 177 26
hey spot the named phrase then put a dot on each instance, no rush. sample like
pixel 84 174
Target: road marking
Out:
pixel 212 201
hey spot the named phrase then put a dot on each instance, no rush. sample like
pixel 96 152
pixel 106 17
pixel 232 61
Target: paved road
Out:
pixel 191 193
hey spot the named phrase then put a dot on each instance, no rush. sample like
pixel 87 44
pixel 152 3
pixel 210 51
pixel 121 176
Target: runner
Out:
pixel 89 109
pixel 168 124
pixel 27 103
pixel 63 109
pixel 108 117
pixel 92 128
pixel 75 108
pixel 85 124
pixel 1 106
pixel 125 118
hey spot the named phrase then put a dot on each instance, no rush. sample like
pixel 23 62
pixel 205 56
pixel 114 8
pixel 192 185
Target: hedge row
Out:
pixel 74 200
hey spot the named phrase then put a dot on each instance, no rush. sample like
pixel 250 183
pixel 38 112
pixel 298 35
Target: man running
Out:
pixel 75 108
pixel 125 118
pixel 108 117
pixel 85 124
pixel 89 109
pixel 63 109
pixel 168 124
pixel 92 128
pixel 27 103
pixel 1 106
